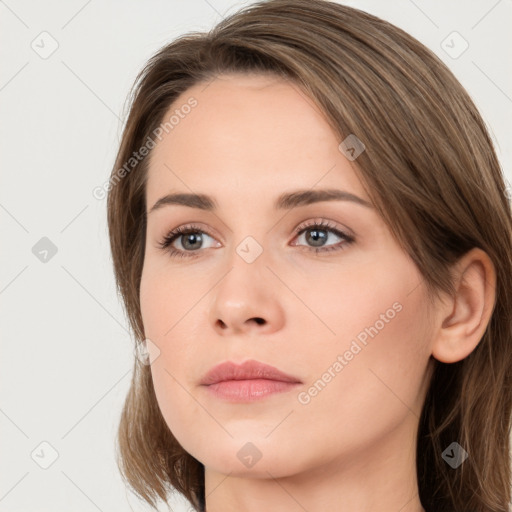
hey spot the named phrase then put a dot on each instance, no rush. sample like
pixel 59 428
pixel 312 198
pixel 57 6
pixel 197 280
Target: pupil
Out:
pixel 191 237
pixel 317 235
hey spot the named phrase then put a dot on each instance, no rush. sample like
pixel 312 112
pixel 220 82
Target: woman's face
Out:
pixel 340 307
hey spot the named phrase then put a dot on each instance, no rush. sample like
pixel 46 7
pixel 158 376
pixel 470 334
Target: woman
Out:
pixel 312 238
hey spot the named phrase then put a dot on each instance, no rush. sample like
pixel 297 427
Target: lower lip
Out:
pixel 249 390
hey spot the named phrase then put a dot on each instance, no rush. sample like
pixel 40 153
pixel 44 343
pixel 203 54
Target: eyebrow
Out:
pixel 285 201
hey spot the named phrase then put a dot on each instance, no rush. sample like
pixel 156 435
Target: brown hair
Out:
pixel 430 169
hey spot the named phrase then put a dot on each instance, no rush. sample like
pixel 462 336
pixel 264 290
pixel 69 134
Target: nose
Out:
pixel 246 300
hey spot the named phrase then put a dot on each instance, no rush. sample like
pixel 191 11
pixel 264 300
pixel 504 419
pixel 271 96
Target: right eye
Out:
pixel 188 236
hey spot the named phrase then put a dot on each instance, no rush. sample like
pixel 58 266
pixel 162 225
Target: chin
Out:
pixel 244 458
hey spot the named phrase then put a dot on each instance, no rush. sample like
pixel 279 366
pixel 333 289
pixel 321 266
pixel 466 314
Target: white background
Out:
pixel 66 353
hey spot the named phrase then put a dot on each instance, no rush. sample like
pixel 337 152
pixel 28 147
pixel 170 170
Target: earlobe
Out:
pixel 464 319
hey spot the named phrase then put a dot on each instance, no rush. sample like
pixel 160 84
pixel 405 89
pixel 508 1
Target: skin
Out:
pixel 352 446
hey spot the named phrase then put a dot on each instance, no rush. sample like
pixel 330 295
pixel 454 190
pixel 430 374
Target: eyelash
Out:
pixel 322 225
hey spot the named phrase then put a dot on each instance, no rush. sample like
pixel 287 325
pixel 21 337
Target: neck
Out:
pixel 380 479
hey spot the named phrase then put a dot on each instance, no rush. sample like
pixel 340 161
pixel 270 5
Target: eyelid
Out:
pixel 326 223
pixel 183 229
pixel 319 222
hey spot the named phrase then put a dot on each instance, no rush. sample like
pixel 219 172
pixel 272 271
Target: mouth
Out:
pixel 247 382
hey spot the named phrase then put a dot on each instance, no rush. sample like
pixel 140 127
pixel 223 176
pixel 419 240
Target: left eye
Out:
pixel 191 239
pixel 318 234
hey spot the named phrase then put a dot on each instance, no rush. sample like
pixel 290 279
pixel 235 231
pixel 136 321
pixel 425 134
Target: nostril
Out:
pixel 259 320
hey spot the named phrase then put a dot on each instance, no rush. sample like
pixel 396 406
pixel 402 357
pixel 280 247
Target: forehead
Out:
pixel 255 132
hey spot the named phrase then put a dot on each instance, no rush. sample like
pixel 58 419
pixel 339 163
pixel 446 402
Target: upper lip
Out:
pixel 246 371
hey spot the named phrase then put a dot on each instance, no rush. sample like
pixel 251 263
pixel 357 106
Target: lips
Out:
pixel 250 370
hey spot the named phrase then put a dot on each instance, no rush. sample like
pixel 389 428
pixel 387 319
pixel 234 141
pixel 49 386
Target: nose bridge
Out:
pixel 246 277
pixel 245 295
pixel 248 240
pixel 249 249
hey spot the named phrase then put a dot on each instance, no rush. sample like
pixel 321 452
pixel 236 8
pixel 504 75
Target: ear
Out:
pixel 463 318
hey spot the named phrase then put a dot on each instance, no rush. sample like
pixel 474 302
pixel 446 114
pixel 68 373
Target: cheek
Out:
pixel 179 410
pixel 374 345
pixel 361 300
pixel 169 314
pixel 370 313
pixel 370 377
pixel 161 315
pixel 166 299
pixel 166 316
